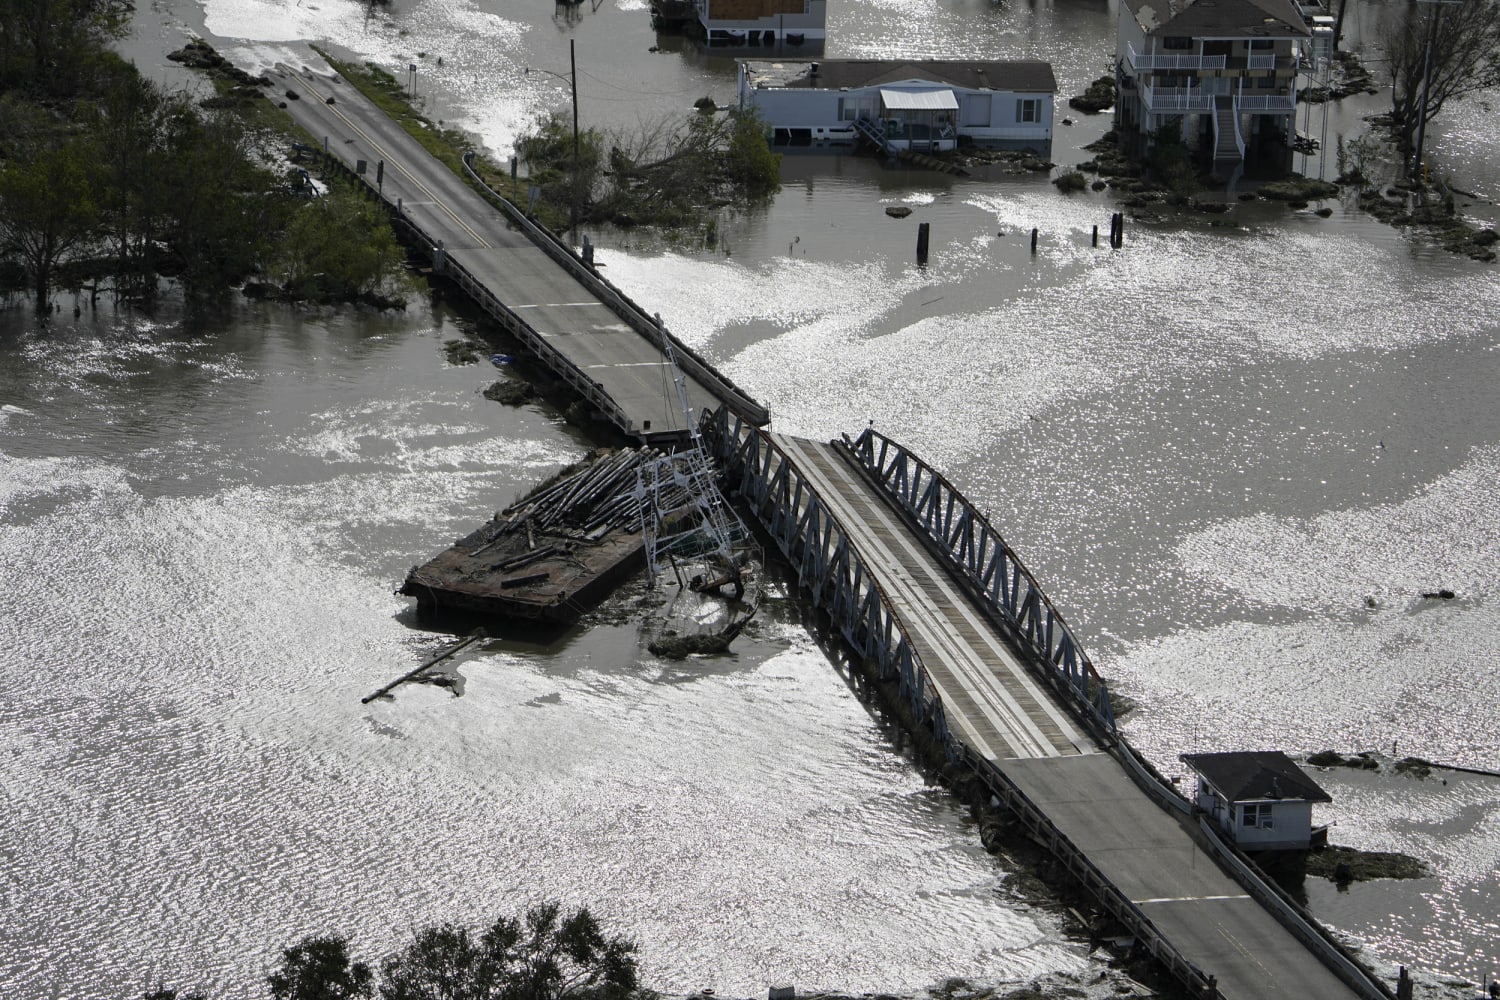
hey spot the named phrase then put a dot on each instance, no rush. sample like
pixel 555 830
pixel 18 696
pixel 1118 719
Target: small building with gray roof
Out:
pixel 1260 799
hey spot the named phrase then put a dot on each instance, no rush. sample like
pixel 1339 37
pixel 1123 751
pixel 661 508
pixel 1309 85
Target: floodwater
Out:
pixel 1214 447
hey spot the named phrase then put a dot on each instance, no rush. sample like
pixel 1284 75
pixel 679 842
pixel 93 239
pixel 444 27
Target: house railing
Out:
pixel 1270 102
pixel 1261 60
pixel 1158 99
pixel 1174 60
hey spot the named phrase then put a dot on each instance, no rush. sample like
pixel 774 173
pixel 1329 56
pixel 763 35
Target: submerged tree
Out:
pixel 338 247
pixel 665 173
pixel 222 209
pixel 1464 37
pixel 47 210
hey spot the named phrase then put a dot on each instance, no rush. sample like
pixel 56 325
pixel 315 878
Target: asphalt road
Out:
pixel 631 370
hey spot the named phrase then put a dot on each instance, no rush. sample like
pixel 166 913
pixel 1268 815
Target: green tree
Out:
pixel 567 172
pixel 318 968
pixel 47 210
pixel 1465 47
pixel 128 124
pixel 166 993
pixel 546 956
pixel 748 163
pixel 338 247
pixel 49 46
pixel 221 209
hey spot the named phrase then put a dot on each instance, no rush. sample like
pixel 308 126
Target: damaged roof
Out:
pixel 1219 18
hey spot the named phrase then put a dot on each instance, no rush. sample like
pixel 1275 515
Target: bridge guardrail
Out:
pixel 647 326
pixel 1111 899
pixel 1296 919
pixel 816 544
pixel 981 555
pixel 565 369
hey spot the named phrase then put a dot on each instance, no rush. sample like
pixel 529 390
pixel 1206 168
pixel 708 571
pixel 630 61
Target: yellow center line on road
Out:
pixel 1186 899
pixel 394 163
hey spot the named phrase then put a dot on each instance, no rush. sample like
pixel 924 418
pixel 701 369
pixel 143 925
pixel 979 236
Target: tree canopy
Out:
pixel 1465 37
pixel 318 968
pixel 547 955
pixel 666 173
pixel 105 175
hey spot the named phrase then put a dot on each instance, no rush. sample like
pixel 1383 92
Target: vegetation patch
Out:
pixel 1415 767
pixel 1014 161
pixel 1359 761
pixel 462 351
pixel 1298 189
pixel 671 175
pixel 1071 181
pixel 1100 96
pixel 1110 160
pixel 1344 865
pixel 510 392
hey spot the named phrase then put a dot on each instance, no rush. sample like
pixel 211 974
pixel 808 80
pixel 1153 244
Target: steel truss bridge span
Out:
pixel 928 593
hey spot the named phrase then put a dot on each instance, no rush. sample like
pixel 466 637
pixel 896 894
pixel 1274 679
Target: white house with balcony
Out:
pixel 928 106
pixel 1261 800
pixel 1222 71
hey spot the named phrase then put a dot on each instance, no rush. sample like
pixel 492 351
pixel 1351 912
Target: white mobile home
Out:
pixel 916 105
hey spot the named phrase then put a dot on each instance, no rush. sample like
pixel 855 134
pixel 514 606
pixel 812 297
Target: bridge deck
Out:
pixel 997 707
pixel 630 369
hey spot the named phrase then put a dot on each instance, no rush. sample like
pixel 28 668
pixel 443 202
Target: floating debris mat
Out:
pixel 551 556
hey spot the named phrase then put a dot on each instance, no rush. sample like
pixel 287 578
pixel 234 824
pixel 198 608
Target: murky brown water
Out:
pixel 1211 447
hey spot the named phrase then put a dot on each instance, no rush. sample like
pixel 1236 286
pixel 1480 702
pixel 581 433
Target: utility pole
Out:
pixel 1437 10
pixel 573 66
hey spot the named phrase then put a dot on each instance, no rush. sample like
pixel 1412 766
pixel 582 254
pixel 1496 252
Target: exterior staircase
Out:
pixel 875 134
pixel 1227 142
pixel 870 131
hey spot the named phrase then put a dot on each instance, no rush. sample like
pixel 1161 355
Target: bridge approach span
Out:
pixel 586 331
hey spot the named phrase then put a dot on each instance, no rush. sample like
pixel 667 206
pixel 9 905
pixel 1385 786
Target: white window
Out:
pixel 1029 109
pixel 1256 814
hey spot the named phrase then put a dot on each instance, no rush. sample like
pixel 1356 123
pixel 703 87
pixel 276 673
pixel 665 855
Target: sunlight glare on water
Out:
pixel 193 782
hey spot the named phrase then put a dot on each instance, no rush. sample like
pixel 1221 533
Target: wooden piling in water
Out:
pixel 1033 239
pixel 477 635
pixel 923 232
pixel 1096 235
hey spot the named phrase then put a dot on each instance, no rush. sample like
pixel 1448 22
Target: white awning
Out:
pixel 918 100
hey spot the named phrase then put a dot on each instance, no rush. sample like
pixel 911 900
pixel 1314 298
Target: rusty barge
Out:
pixel 549 557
